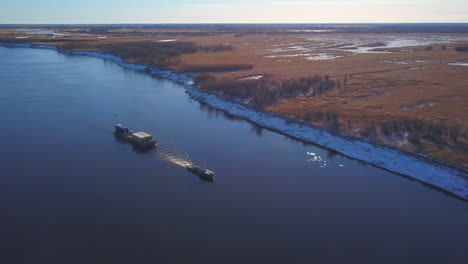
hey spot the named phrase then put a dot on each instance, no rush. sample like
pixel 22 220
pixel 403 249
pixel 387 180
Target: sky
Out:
pixel 240 11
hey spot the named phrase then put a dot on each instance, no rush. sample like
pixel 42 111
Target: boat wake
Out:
pixel 167 154
pixel 174 158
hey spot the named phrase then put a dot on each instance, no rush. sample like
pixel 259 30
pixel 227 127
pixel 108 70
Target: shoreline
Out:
pixel 441 176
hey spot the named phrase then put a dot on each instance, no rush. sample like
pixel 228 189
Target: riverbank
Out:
pixel 408 94
pixel 441 176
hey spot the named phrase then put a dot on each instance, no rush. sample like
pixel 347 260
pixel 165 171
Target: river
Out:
pixel 72 193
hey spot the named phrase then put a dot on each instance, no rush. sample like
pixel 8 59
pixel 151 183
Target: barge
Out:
pixel 141 140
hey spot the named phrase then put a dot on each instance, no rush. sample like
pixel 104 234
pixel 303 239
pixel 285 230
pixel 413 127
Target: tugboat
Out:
pixel 141 140
pixel 202 172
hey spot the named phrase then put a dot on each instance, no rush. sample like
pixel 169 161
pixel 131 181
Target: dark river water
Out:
pixel 71 193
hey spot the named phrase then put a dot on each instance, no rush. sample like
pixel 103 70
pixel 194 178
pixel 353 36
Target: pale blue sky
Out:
pixel 240 11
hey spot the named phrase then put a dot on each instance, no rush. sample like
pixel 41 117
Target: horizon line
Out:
pixel 246 23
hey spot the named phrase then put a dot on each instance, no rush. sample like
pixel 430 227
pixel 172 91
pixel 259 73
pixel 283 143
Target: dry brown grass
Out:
pixel 377 91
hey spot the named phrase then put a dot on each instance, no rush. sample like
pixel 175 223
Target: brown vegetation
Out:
pixel 216 48
pixel 157 53
pixel 364 95
pixel 267 91
pixel 215 68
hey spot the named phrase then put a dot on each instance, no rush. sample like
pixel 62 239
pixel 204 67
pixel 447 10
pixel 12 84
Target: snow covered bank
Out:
pixel 441 176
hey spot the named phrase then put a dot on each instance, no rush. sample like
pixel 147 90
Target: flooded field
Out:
pixel 335 46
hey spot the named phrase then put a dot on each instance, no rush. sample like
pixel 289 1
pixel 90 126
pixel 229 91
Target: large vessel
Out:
pixel 141 140
pixel 202 172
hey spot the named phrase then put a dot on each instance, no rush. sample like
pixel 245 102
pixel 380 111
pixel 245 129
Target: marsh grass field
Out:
pixel 401 86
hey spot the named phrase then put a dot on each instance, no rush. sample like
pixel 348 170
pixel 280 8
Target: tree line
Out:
pixel 267 91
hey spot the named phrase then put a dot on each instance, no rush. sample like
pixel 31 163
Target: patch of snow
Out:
pixel 417 68
pixel 404 62
pixel 255 77
pixel 167 40
pixel 323 56
pixel 368 50
pixel 285 44
pixel 285 49
pixel 421 105
pixel 465 64
pixel 289 55
pixel 396 62
pixel 312 30
pixel 446 178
